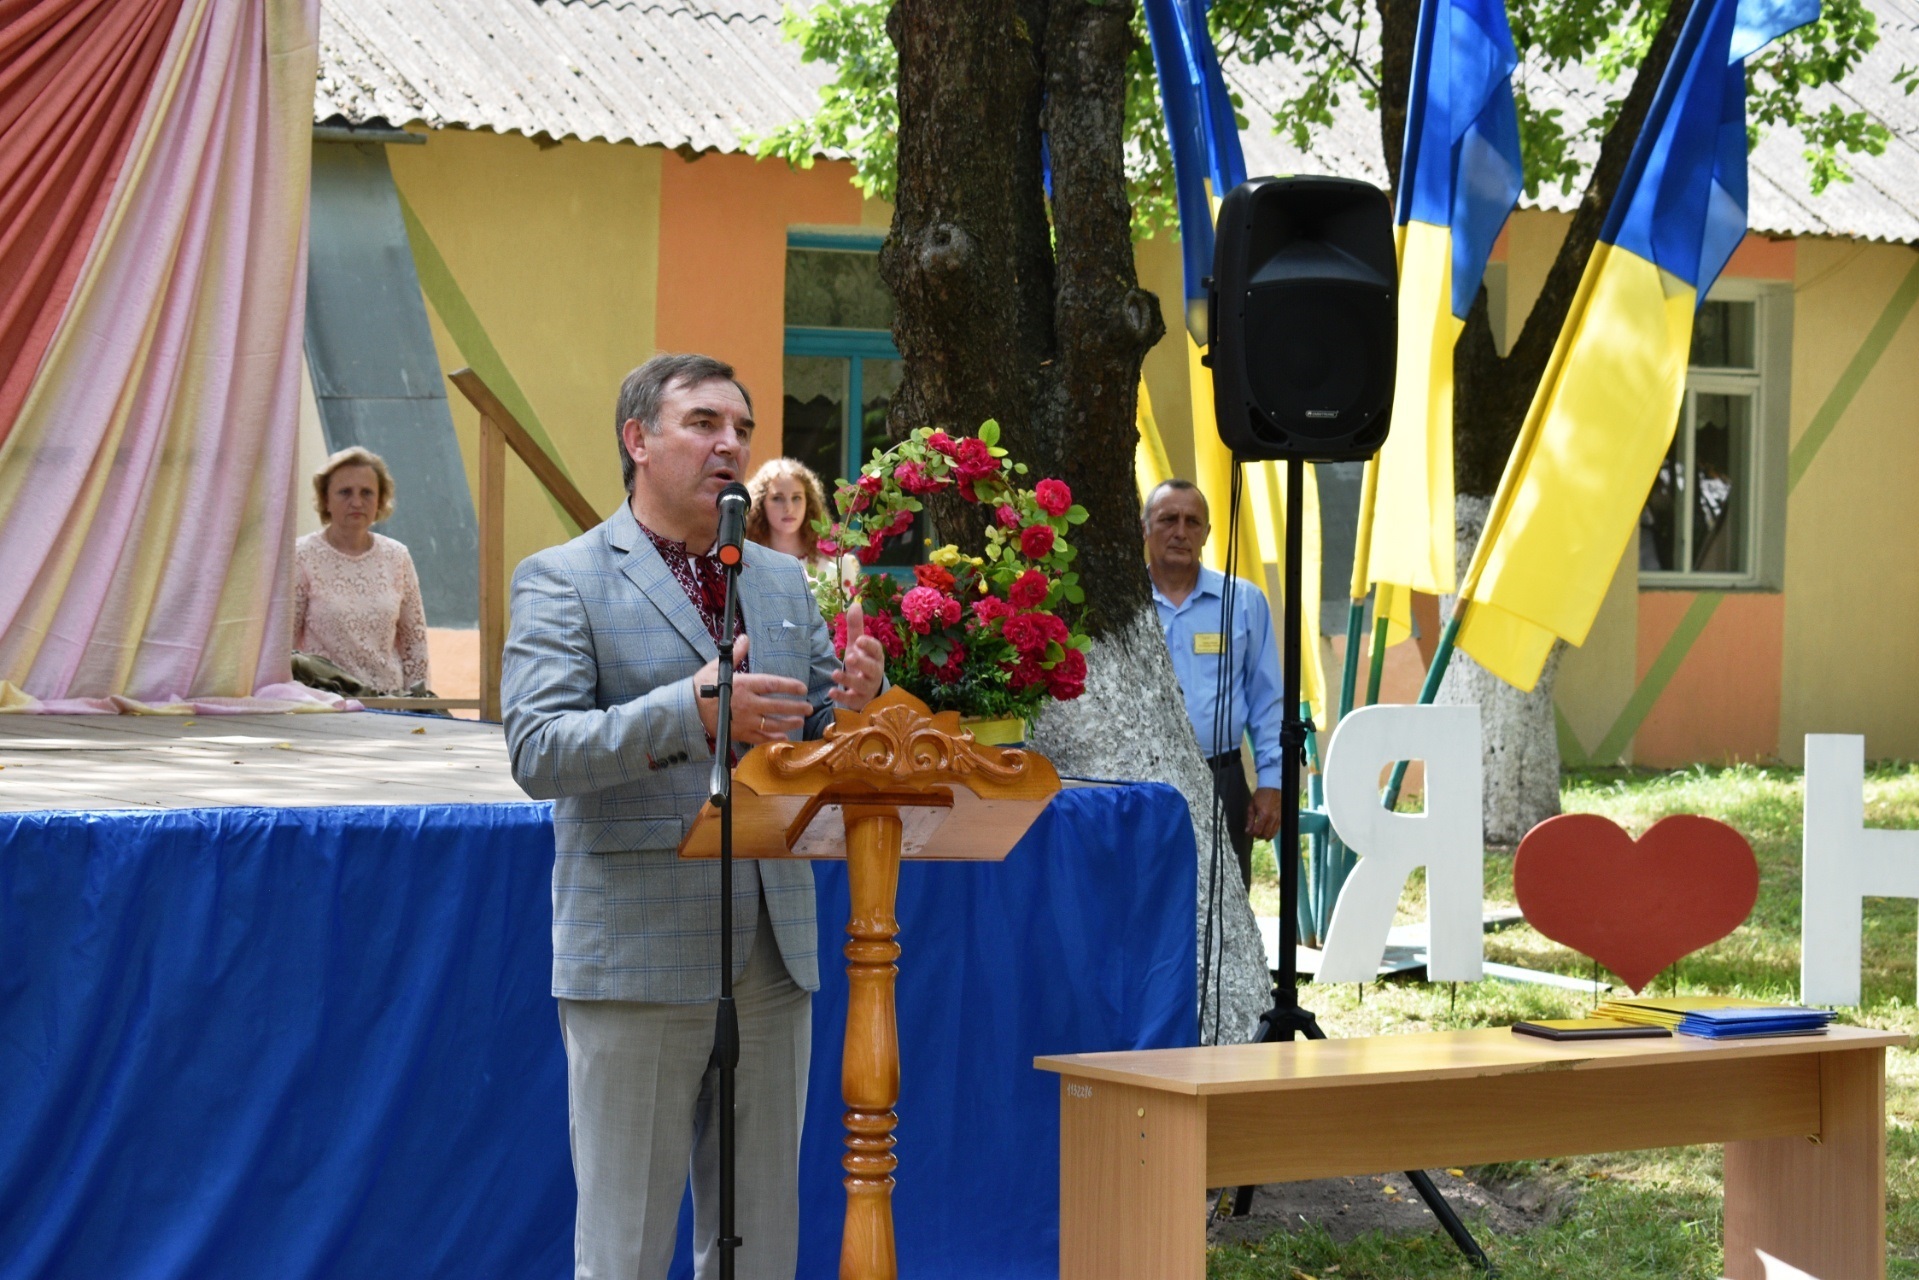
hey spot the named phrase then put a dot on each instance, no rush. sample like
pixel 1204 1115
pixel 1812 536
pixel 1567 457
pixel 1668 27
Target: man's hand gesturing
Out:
pixel 765 708
pixel 863 670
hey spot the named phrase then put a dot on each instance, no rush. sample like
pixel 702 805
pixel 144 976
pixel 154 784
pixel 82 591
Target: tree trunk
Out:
pixel 1520 746
pixel 1039 322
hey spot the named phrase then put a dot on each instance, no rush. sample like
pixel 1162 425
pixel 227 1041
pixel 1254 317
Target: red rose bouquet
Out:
pixel 992 635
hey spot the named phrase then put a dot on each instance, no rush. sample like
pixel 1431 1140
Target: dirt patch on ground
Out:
pixel 1489 1200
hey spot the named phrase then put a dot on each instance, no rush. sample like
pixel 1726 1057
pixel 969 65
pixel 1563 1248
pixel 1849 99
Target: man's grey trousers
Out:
pixel 642 1099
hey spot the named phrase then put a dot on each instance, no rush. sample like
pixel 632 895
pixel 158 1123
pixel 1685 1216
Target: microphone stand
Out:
pixel 726 1028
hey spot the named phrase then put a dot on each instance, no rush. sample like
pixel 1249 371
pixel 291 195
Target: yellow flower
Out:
pixel 947 556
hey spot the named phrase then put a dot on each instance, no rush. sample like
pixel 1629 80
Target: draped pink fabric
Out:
pixel 146 485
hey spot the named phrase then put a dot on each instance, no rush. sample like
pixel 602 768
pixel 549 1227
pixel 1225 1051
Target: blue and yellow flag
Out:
pixel 1459 178
pixel 1607 406
pixel 1203 133
pixel 1207 163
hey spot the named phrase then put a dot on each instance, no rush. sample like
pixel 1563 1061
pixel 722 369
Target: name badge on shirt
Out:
pixel 1206 642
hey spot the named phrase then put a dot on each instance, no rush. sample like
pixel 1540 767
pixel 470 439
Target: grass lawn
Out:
pixel 1647 1213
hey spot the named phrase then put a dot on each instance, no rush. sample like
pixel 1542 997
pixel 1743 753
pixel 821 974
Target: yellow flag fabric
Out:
pixel 1150 465
pixel 1411 542
pixel 1599 424
pixel 1263 508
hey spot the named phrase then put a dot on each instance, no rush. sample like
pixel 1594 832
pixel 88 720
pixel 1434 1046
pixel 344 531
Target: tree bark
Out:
pixel 1520 737
pixel 1038 321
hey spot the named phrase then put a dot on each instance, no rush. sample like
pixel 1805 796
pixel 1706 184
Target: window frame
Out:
pixel 1768 385
pixel 851 345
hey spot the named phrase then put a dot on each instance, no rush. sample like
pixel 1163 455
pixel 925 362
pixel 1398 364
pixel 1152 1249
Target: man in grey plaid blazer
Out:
pixel 612 638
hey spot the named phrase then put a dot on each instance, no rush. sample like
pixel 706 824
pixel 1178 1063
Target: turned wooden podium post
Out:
pixel 894 781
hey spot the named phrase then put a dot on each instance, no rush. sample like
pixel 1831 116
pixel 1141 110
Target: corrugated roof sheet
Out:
pixel 675 74
pixel 679 73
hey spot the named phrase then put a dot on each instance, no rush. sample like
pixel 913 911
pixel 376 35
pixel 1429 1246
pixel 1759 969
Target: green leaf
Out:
pixel 989 431
pixel 1076 595
pixel 993 550
pixel 1076 514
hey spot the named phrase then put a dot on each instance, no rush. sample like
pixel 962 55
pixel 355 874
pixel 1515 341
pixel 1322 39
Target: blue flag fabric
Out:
pixel 1461 164
pixel 1203 133
pixel 1682 201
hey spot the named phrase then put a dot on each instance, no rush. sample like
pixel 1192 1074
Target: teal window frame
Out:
pixel 853 346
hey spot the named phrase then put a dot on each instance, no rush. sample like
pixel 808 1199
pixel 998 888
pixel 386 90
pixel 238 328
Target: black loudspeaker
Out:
pixel 1304 318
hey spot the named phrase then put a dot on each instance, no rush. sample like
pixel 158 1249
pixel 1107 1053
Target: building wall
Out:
pixel 1852 538
pixel 540 265
pixel 1673 677
pixel 553 269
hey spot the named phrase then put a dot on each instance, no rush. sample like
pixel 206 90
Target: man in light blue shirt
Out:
pixel 1190 599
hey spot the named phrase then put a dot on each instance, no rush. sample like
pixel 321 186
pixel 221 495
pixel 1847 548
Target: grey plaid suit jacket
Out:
pixel 598 697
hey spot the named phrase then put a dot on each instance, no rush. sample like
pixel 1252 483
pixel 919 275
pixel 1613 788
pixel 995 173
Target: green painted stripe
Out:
pixel 1658 676
pixel 1839 399
pixel 1571 750
pixel 463 323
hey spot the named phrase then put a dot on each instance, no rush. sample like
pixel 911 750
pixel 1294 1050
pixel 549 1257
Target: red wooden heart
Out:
pixel 1636 907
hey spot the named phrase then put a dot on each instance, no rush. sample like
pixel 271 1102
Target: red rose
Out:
pixel 951 671
pixel 923 606
pixel 871 484
pixel 974 459
pixel 879 625
pixel 914 479
pixel 1067 679
pixel 988 609
pixel 902 521
pixel 869 554
pixel 1037 541
pixel 1026 674
pixel 1030 633
pixel 857 501
pixel 942 442
pixel 934 576
pixel 1029 590
pixel 828 547
pixel 1054 498
pixel 1007 517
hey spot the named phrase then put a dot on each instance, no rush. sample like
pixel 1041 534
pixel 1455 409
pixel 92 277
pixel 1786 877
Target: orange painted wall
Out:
pixel 1723 702
pixel 722 281
pixel 1758 258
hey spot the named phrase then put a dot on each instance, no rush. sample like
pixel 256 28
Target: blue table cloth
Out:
pixel 319 1042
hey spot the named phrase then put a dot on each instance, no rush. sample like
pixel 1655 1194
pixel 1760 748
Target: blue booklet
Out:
pixel 1782 1020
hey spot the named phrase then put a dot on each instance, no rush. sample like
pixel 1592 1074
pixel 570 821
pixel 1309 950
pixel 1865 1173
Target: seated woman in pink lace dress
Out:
pixel 356 597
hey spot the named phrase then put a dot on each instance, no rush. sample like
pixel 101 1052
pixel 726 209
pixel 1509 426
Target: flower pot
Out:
pixel 1009 732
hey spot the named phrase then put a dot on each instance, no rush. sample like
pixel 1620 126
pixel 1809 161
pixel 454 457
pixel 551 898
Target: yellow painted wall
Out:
pixel 554 248
pixel 1852 532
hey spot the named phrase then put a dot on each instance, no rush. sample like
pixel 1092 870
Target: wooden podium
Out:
pixel 894 781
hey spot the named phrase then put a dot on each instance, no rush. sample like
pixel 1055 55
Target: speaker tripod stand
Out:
pixel 1287 1019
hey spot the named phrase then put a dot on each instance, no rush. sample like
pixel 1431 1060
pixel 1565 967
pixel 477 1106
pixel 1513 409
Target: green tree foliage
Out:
pixel 1334 47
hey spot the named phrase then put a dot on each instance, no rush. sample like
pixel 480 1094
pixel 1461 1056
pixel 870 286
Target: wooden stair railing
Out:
pixel 499 428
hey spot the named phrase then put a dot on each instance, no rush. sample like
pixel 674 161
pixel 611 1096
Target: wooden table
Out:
pixel 1143 1135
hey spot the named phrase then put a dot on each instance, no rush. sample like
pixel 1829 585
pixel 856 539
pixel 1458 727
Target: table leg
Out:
pixel 870 1071
pixel 1818 1202
pixel 1132 1183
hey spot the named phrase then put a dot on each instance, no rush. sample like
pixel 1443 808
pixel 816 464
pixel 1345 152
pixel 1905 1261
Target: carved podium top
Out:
pixel 957 797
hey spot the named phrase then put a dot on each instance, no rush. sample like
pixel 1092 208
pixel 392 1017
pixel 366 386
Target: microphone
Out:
pixel 734 501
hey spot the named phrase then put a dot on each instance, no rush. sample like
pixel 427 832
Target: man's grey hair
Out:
pixel 646 386
pixel 1177 485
